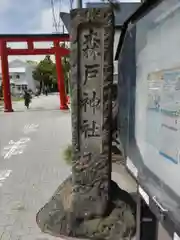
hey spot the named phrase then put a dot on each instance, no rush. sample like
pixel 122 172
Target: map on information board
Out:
pixel 170 111
pixel 163 113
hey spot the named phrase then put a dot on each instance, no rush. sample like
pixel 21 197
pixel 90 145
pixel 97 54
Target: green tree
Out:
pixel 66 71
pixel 66 68
pixel 44 72
pixel 31 62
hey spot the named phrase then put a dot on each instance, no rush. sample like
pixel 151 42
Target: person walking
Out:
pixel 27 98
pixel 46 90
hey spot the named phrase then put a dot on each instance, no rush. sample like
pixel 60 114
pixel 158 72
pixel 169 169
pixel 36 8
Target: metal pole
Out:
pixel 79 3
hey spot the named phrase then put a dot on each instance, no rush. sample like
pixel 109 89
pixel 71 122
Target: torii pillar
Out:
pixel 60 77
pixel 5 77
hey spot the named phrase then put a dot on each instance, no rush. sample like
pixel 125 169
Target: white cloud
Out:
pixel 45 26
pixel 46 23
pixel 4 5
pixel 130 1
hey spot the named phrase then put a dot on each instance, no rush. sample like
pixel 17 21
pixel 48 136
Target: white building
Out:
pixel 20 74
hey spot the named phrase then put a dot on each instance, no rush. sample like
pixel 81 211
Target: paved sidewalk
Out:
pixel 50 102
pixel 29 179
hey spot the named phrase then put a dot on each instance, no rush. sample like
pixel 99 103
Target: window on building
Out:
pixel 18 87
pixel 17 76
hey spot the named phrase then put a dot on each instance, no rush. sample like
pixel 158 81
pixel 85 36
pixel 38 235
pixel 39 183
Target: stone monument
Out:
pixel 88 204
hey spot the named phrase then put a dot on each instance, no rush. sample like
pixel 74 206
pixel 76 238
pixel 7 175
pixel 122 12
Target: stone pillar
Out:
pixel 88 204
pixel 92 39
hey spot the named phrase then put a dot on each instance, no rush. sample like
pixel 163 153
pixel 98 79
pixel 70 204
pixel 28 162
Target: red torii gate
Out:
pixel 31 50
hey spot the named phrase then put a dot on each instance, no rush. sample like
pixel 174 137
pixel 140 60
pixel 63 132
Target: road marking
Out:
pixel 28 128
pixel 4 174
pixel 15 148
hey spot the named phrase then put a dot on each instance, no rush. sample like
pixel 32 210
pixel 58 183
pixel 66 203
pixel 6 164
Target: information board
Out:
pixel 157 114
pixel 149 104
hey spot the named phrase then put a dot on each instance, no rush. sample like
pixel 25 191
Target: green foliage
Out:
pixel 68 154
pixel 66 68
pixel 44 71
pixel 31 62
pixel 17 99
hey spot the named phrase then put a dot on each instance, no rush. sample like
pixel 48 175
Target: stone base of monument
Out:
pixel 58 219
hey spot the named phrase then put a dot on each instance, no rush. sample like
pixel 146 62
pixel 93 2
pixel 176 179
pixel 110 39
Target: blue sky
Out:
pixel 29 16
pixel 26 16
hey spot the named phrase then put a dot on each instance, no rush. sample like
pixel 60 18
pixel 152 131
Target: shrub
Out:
pixel 68 154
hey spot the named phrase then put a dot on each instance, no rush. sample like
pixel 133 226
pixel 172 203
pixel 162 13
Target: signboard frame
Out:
pixel 155 192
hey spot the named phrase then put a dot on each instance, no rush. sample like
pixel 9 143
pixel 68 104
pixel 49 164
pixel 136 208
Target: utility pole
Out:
pixel 71 4
pixel 79 3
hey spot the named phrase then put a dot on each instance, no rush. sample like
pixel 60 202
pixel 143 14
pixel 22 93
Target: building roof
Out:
pixel 17 70
pixel 16 66
pixel 17 63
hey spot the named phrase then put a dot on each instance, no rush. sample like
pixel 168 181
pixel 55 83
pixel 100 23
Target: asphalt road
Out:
pixel 31 164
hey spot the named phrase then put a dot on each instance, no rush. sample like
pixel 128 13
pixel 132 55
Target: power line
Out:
pixel 71 4
pixel 57 22
pixel 54 16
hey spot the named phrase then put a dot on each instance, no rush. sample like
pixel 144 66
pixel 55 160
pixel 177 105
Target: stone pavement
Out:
pixel 29 175
pixel 50 102
pixel 29 179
